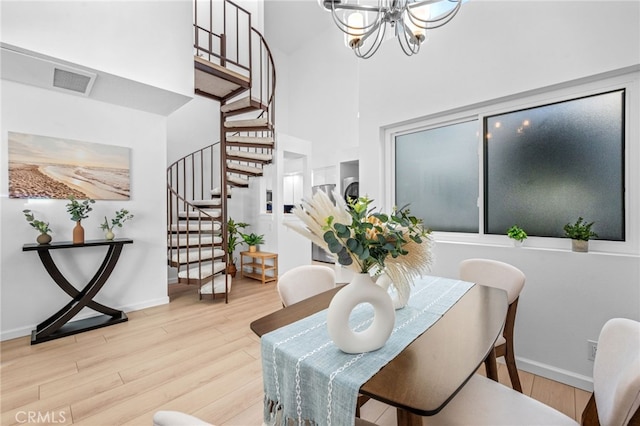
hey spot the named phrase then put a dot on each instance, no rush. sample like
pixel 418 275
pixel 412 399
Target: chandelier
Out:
pixel 364 22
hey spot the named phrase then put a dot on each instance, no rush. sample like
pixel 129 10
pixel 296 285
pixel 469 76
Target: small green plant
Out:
pixel 516 233
pixel 253 239
pixel 41 226
pixel 122 216
pixel 580 230
pixel 79 209
pixel 234 235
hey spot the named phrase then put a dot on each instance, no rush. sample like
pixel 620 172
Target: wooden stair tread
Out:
pixel 193 255
pixel 247 124
pixel 193 226
pixel 217 285
pixel 250 140
pixel 244 170
pixel 203 273
pixel 206 203
pixel 194 240
pixel 241 105
pixel 203 214
pixel 222 70
pixel 215 81
pixel 254 157
pixel 237 181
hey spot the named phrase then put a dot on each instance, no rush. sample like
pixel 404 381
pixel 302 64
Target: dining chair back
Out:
pixel 502 275
pixel 305 281
pixel 616 374
pixel 615 400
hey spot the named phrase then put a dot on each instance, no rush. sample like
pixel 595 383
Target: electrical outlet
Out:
pixel 592 348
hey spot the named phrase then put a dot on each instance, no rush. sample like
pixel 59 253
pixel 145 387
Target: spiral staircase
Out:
pixel 233 65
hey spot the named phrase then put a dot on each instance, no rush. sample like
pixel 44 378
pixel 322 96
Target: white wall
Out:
pixel 192 127
pixel 29 295
pixel 132 39
pixel 492 49
pixel 322 105
pixel 119 41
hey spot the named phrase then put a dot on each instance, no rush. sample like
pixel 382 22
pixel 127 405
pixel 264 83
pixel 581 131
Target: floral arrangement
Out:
pixel 365 240
pixel 122 216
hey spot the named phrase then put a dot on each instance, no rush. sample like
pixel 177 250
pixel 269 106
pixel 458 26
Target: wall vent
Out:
pixel 70 80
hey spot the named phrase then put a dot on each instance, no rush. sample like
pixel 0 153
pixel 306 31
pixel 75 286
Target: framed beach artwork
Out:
pixel 46 167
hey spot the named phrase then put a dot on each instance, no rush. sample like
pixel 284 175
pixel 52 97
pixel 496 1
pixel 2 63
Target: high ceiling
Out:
pixel 290 23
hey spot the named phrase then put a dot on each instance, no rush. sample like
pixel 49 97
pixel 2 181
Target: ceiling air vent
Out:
pixel 71 81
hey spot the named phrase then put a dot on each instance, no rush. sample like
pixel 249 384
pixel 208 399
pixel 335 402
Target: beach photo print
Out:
pixel 46 167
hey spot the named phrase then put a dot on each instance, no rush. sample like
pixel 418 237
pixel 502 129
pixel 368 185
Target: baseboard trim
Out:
pixel 558 374
pixel 26 331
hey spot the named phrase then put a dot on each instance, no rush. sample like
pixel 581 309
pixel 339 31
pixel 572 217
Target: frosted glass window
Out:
pixel 437 175
pixel 548 165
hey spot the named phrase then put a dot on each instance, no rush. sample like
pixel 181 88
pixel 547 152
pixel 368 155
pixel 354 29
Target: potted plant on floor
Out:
pixel 43 227
pixel 580 233
pixel 79 210
pixel 233 241
pixel 122 216
pixel 517 234
pixel 252 240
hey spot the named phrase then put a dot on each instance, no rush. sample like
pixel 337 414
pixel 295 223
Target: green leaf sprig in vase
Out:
pixel 252 240
pixel 41 226
pixel 121 217
pixel 233 241
pixel 580 232
pixel 79 210
pixel 517 234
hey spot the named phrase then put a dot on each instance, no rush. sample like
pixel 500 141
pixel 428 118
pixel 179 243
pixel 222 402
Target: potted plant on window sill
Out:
pixel 122 216
pixel 233 241
pixel 517 234
pixel 580 233
pixel 43 227
pixel 252 240
pixel 78 211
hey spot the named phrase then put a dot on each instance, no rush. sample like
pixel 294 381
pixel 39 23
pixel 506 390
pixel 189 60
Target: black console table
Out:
pixel 58 325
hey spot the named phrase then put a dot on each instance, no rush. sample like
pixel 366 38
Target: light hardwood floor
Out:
pixel 195 356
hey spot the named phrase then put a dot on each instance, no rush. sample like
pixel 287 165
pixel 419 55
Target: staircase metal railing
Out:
pixel 223 35
pixel 220 34
pixel 191 178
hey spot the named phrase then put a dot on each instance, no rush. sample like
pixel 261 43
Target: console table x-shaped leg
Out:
pixel 58 325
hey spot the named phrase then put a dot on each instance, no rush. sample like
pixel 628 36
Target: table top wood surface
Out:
pixel 259 254
pixel 68 244
pixel 431 370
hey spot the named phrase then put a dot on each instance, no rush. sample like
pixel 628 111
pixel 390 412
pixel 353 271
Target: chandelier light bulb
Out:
pixel 356 25
pixel 414 18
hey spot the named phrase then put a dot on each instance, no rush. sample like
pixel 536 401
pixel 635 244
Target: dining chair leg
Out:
pixel 491 366
pixel 510 360
pixel 507 350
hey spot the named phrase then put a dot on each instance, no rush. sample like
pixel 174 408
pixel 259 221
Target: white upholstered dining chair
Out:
pixel 493 273
pixel 305 281
pixel 614 402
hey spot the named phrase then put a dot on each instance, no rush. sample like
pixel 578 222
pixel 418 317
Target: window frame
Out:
pixel 625 79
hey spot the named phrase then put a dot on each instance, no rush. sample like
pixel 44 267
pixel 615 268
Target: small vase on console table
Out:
pixel 78 234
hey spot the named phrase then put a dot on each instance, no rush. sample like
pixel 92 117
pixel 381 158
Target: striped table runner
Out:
pixel 309 381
